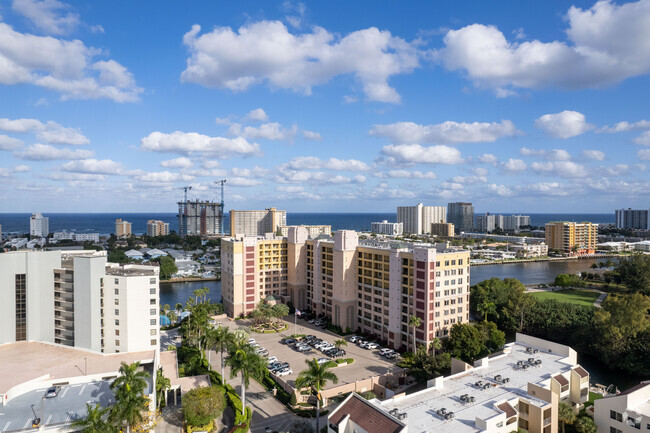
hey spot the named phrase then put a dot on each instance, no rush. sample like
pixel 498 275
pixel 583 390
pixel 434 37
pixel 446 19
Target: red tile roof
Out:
pixel 366 416
pixel 561 379
pixel 581 371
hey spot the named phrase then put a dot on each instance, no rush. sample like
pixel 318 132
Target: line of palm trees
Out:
pixel 130 408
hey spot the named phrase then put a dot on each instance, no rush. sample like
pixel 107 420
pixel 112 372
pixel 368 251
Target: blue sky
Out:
pixel 324 106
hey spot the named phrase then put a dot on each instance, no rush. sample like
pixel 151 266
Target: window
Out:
pixel 152 291
pixel 117 332
pixel 152 281
pixel 117 291
pixel 21 307
pixel 117 281
pixel 117 322
pixel 152 301
pixel 152 321
pixel 117 312
pixel 500 424
pixel 153 342
pixel 614 430
pixel 152 312
pixel 117 302
pixel 153 332
pixel 117 342
pixel 615 415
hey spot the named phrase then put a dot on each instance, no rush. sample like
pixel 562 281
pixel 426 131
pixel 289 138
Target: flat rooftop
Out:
pixel 24 361
pixel 421 407
pixel 130 272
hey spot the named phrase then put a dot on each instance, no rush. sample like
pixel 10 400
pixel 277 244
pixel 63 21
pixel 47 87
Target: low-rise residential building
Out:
pixel 78 299
pixel 627 412
pixel 530 250
pixel 520 388
pixel 366 285
pixel 442 229
pixel 134 254
pixel 312 230
pixel 572 237
pixel 386 228
pixel 642 246
pixel 76 237
pixel 495 254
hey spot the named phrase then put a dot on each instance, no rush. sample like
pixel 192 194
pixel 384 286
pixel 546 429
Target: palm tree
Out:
pixel 414 322
pixel 244 360
pixel 210 341
pixel 316 377
pixel 279 311
pixel 179 308
pixel 585 424
pixel 131 401
pixel 222 341
pixel 339 343
pixel 172 316
pixel 163 385
pixel 565 414
pixel 486 308
pixel 165 309
pixel 434 345
pixel 94 421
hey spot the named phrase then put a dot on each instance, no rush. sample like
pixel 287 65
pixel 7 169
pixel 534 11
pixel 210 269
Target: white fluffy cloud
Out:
pixel 625 126
pixel 643 139
pixel 266 51
pixel 257 115
pixel 9 143
pixel 643 154
pixel 314 177
pixel 180 162
pixel 50 132
pixel 488 158
pixel 605 45
pixel 444 133
pixel 500 190
pixel 417 154
pixel 513 166
pixel 45 152
pixel 565 169
pixel 595 155
pixel 243 181
pixel 162 176
pixel 566 124
pixel 407 174
pixel 192 142
pixel 314 163
pixel 311 135
pixel 20 125
pixel 67 67
pixel 49 16
pixel 93 166
pixel 266 131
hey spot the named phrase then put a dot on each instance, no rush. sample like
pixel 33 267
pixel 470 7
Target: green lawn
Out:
pixel 581 297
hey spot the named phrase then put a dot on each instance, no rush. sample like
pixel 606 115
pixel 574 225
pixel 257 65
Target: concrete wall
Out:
pixel 549 346
pixel 88 273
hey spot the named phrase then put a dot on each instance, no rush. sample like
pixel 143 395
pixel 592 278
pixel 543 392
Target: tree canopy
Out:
pixel 202 405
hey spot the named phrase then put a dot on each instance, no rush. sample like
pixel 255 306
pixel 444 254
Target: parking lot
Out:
pixel 367 363
pixel 70 404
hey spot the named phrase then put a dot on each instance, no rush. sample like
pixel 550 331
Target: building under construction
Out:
pixel 200 218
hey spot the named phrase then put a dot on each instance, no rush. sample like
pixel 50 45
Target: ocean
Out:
pixel 104 223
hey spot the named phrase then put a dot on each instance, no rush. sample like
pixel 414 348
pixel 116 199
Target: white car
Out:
pixel 320 345
pixel 385 351
pixel 285 372
pixel 323 360
pixel 251 341
pixel 372 346
pixel 272 359
pixel 327 347
pixel 260 349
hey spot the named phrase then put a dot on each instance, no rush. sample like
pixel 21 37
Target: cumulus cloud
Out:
pixel 243 181
pixel 211 163
pixel 67 67
pixel 500 190
pixel 595 155
pixel 625 126
pixel 20 125
pixel 192 142
pixel 45 152
pixel 257 115
pixel 606 44
pixel 488 158
pixel 565 169
pixel 407 174
pixel 9 143
pixel 266 131
pixel 162 177
pixel 310 135
pixel 513 166
pixel 266 51
pixel 383 191
pixel 643 139
pixel 93 166
pixel 643 154
pixel 180 162
pixel 314 163
pixel 21 168
pixel 50 132
pixel 444 133
pixel 566 124
pixel 74 177
pixel 417 154
pixel 315 177
pixel 50 16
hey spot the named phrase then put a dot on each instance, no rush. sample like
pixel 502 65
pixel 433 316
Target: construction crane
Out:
pixel 222 182
pixel 185 189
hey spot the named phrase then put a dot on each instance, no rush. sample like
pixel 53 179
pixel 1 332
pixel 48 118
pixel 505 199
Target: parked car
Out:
pixel 251 341
pixel 272 359
pixel 372 346
pixel 52 391
pixel 312 321
pixel 302 348
pixel 385 351
pixel 355 338
pixel 274 366
pixel 279 366
pixel 323 360
pixel 363 344
pixel 285 372
pixel 392 355
pixel 263 352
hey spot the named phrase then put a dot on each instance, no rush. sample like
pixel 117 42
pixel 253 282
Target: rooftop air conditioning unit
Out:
pixel 505 380
pixel 497 378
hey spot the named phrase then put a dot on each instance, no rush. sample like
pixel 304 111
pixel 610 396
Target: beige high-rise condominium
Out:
pixel 122 228
pixel 417 219
pixel 572 237
pixel 364 285
pixel 157 228
pixel 256 222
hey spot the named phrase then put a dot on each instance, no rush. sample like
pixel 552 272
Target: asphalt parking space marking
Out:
pixel 26 424
pixel 49 418
pixel 83 388
pixel 6 426
pixel 65 391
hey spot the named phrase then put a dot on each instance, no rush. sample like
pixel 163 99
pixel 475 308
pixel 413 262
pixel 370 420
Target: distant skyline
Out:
pixel 324 107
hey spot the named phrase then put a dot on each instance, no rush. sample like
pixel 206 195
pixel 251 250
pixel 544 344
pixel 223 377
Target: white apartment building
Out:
pixel 256 222
pixel 512 223
pixel 78 299
pixel 530 250
pixel 157 228
pixel 489 222
pixel 417 219
pixel 520 388
pixel 313 231
pixel 386 228
pixel 77 237
pixel 39 226
pixel 633 219
pixel 628 412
